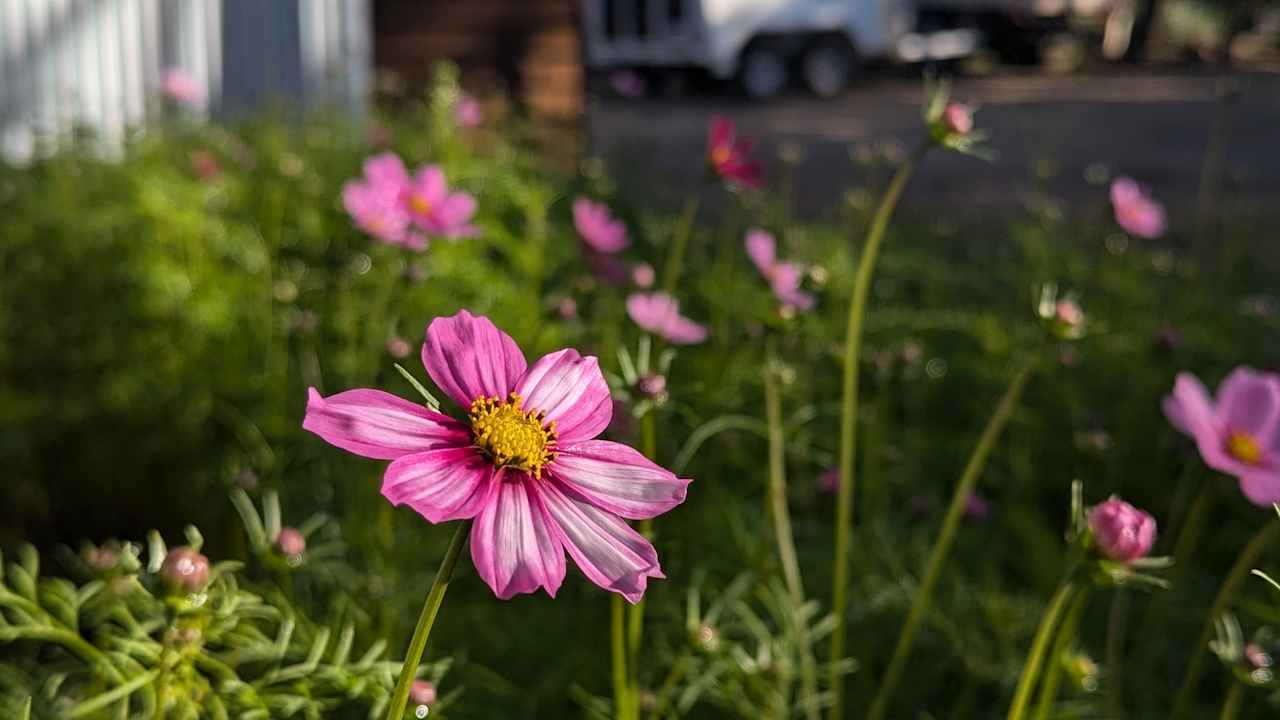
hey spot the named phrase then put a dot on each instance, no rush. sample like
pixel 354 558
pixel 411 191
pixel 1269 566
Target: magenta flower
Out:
pixel 659 313
pixel 1136 211
pixel 598 228
pixel 783 277
pixel 1122 532
pixel 181 87
pixel 374 202
pixel 467 111
pixel 1237 433
pixel 729 156
pixel 436 210
pixel 524 464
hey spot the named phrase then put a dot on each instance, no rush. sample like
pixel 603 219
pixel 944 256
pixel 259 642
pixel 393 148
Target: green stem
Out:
pixel 1226 593
pixel 618 643
pixel 1031 668
pixel 849 419
pixel 1115 653
pixel 942 548
pixel 435 596
pixel 678 669
pixel 783 535
pixel 1053 671
pixel 679 245
pixel 113 695
pixel 1187 539
pixel 635 613
pixel 1231 705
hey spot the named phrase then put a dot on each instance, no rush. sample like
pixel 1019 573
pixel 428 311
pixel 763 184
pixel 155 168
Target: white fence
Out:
pixel 98 64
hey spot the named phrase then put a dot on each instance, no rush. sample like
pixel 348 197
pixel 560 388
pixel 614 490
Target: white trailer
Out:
pixel 763 43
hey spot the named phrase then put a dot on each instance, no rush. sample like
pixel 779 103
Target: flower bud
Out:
pixel 422 692
pixel 290 542
pixel 398 347
pixel 1121 531
pixel 652 385
pixel 1256 656
pixel 643 275
pixel 185 569
pixel 958 118
pixel 706 638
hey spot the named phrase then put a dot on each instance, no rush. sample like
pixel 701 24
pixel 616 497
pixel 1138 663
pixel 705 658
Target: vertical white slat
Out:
pixel 195 56
pixel 358 56
pixel 131 73
pixel 40 66
pixel 106 24
pixel 17 140
pixel 311 34
pixel 62 61
pixel 152 58
pixel 333 69
pixel 213 51
pixel 88 94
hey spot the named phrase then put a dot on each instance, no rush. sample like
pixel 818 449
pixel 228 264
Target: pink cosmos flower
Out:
pixel 374 202
pixel 729 156
pixel 1123 532
pixel 436 210
pixel 467 111
pixel 1136 211
pixel 524 463
pixel 1238 432
pixel 598 228
pixel 659 313
pixel 958 118
pixel 181 87
pixel 783 277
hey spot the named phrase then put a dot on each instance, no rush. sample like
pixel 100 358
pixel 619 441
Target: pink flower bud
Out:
pixel 185 569
pixel 422 692
pixel 291 542
pixel 643 275
pixel 567 308
pixel 652 385
pixel 1256 656
pixel 1069 313
pixel 1122 532
pixel 398 348
pixel 958 118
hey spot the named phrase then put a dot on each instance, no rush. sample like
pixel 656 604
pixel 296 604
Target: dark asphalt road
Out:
pixel 1152 126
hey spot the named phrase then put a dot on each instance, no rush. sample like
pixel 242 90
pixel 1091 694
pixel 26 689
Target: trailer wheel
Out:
pixel 828 66
pixel 762 71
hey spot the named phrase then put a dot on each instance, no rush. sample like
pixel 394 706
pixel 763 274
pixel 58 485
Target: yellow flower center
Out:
pixel 1244 448
pixel 512 436
pixel 720 155
pixel 420 204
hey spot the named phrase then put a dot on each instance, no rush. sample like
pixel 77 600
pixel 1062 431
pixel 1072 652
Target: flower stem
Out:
pixel 635 613
pixel 849 420
pixel 786 542
pixel 1231 705
pixel 1115 653
pixel 435 596
pixel 679 245
pixel 1031 668
pixel 1248 558
pixel 942 548
pixel 618 642
pixel 1053 671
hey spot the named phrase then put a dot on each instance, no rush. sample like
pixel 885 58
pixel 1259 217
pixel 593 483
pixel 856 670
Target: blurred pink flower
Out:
pixel 729 156
pixel 598 228
pixel 205 165
pixel 436 210
pixel 976 508
pixel 958 118
pixel 829 481
pixel 524 464
pixel 783 277
pixel 374 202
pixel 567 308
pixel 467 111
pixel 1238 432
pixel 659 313
pixel 398 347
pixel 1136 211
pixel 291 542
pixel 1122 532
pixel 422 692
pixel 181 87
pixel 627 83
pixel 643 275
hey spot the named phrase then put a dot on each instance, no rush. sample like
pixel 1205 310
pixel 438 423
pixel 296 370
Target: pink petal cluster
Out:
pixel 729 156
pixel 1238 432
pixel 659 313
pixel 1121 531
pixel 627 83
pixel 783 277
pixel 958 118
pixel 181 87
pixel 467 111
pixel 403 210
pixel 598 228
pixel 1136 211
pixel 525 465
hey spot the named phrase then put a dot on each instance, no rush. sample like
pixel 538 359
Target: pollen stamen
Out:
pixel 512 436
pixel 1244 448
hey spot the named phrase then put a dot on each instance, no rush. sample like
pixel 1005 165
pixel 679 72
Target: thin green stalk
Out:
pixel 618 643
pixel 849 420
pixel 942 548
pixel 1115 653
pixel 1187 539
pixel 418 643
pixel 635 613
pixel 679 245
pixel 1246 562
pixel 1035 659
pixel 1053 672
pixel 111 696
pixel 1231 705
pixel 783 535
pixel 678 669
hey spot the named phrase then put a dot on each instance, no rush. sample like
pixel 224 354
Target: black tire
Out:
pixel 762 71
pixel 828 66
